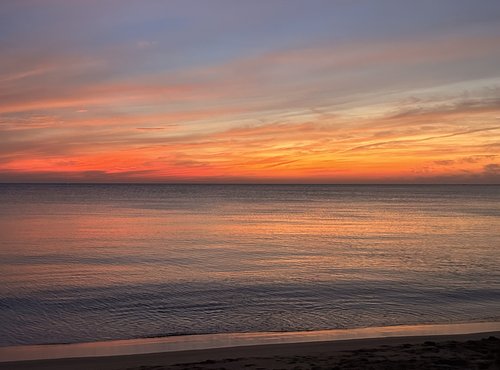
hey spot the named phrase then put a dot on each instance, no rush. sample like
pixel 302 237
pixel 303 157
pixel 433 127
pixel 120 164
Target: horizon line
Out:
pixel 239 183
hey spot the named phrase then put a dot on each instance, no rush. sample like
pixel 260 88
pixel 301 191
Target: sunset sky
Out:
pixel 250 91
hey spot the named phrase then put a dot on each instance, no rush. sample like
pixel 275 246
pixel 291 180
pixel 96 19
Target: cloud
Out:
pixel 73 176
pixel 319 149
pixel 492 169
pixel 150 128
pixel 445 162
pixel 144 44
pixel 395 143
pixel 489 174
pixel 305 101
pixel 465 160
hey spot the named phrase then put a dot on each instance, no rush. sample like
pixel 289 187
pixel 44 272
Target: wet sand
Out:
pixel 465 351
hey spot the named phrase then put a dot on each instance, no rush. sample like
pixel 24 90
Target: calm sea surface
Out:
pixel 95 262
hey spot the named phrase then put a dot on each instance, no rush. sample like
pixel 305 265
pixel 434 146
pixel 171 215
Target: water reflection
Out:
pixel 92 262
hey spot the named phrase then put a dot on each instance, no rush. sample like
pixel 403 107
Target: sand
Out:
pixel 466 351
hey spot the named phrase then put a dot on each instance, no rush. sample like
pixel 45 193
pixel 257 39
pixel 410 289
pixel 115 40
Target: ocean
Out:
pixel 83 263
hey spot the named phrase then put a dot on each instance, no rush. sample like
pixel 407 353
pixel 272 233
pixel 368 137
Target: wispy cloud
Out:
pixel 208 95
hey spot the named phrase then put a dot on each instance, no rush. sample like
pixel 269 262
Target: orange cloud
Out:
pixel 200 124
pixel 371 150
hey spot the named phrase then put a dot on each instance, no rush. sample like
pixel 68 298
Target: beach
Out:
pixel 464 351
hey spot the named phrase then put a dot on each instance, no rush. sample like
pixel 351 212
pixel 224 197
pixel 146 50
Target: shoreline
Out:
pixel 316 352
pixel 172 350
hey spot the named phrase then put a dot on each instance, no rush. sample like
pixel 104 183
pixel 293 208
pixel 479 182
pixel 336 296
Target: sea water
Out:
pixel 85 263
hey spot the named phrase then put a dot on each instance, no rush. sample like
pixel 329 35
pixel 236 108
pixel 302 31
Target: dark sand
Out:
pixel 466 351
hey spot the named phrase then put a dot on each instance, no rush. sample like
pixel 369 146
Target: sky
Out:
pixel 228 91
